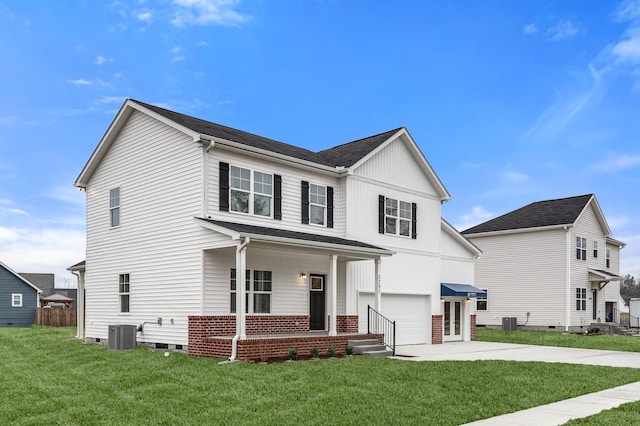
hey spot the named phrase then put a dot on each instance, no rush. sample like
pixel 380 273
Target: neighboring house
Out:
pixel 550 264
pixel 18 299
pixel 46 283
pixel 178 208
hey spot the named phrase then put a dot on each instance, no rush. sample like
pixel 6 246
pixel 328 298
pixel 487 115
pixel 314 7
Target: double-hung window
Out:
pixel 258 296
pixel 16 300
pixel 581 299
pixel 250 192
pixel 595 249
pixel 608 258
pixel 114 207
pixel 397 217
pixel 481 302
pixel 317 204
pixel 581 248
pixel 123 290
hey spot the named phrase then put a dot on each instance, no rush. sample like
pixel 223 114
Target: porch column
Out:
pixel 241 291
pixel 333 280
pixel 378 283
pixel 80 305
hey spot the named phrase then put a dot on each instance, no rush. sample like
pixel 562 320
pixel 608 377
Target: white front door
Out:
pixel 452 320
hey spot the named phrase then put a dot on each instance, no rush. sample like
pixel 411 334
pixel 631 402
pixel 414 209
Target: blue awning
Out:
pixel 461 290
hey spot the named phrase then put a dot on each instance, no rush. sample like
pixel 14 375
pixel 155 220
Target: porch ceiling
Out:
pixel 337 245
pixel 598 275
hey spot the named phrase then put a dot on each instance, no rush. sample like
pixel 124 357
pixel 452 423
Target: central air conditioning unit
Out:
pixel 122 336
pixel 509 323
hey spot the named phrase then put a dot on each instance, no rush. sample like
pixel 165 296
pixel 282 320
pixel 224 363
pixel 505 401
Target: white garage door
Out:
pixel 410 312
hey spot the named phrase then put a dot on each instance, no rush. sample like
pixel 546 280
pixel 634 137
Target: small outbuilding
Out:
pixel 18 299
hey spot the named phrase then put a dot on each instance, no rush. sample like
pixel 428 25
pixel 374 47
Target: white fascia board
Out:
pixel 20 277
pixel 518 231
pixel 220 229
pixel 417 154
pixel 112 132
pixel 615 242
pixel 449 229
pixel 281 158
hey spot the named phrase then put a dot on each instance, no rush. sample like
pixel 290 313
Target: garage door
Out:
pixel 410 312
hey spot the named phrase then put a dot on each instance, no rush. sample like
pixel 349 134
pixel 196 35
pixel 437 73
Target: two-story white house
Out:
pixel 550 264
pixel 179 209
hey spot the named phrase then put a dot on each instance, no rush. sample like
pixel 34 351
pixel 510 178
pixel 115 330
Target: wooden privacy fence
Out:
pixel 56 317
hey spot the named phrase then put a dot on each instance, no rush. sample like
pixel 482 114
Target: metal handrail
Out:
pixel 629 320
pixel 379 324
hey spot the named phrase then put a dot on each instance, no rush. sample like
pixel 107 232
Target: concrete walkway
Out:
pixel 556 413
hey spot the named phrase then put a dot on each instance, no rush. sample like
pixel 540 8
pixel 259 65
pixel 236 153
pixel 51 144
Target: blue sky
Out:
pixel 511 101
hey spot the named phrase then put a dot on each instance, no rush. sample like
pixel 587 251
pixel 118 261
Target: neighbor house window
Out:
pixel 608 258
pixel 397 217
pixel 595 249
pixel 581 248
pixel 16 300
pixel 481 302
pixel 232 308
pixel 581 299
pixel 247 198
pixel 259 294
pixel 317 204
pixel 114 206
pixel 123 289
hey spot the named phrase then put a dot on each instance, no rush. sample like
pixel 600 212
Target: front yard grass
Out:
pixel 50 378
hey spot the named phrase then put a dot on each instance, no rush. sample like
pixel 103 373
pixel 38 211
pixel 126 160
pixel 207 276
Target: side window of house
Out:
pixel 16 300
pixel 123 290
pixel 317 204
pixel 595 249
pixel 581 299
pixel 397 217
pixel 608 258
pixel 114 207
pixel 232 307
pixel 251 192
pixel 581 248
pixel 259 294
pixel 481 302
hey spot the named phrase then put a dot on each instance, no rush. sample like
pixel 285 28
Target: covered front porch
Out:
pixel 294 293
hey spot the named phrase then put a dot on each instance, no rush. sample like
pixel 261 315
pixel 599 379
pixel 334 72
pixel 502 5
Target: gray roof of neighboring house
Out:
pixel 343 155
pixel 295 235
pixel 44 282
pixel 563 211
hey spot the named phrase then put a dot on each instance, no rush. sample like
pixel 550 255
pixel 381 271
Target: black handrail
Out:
pixel 379 324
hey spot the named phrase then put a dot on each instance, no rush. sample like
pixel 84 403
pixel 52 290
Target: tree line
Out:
pixel 630 287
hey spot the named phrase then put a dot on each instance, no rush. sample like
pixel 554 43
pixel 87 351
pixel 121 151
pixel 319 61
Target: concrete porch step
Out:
pixel 369 347
pixel 384 352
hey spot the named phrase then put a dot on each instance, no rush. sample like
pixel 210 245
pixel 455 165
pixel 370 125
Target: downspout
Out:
pixel 567 279
pixel 239 305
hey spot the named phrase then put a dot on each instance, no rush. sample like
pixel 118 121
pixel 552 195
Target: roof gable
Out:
pixel 19 277
pixel 563 211
pixel 456 236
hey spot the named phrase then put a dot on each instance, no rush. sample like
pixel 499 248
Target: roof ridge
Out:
pixel 361 139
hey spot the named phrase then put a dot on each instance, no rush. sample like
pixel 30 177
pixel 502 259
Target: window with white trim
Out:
pixel 258 297
pixel 16 300
pixel 123 291
pixel 581 299
pixel 114 207
pixel 595 249
pixel 608 258
pixel 581 248
pixel 317 204
pixel 481 302
pixel 397 217
pixel 250 192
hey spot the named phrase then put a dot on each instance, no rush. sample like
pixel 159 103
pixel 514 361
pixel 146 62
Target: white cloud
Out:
pixel 206 12
pixel 562 30
pixel 618 223
pixel 7 121
pixel 477 215
pixel 111 100
pixel 79 82
pixel 628 11
pixel 515 177
pixel 530 29
pixel 102 60
pixel 178 59
pixel 628 50
pixel 144 15
pixel 614 162
pixel 202 43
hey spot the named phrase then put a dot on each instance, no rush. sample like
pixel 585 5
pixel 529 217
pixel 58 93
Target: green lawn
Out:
pixel 47 377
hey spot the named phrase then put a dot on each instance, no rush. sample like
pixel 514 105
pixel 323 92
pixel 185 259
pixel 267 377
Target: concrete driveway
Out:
pixel 512 352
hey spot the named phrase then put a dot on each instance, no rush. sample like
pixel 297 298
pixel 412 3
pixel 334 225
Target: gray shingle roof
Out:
pixel 563 211
pixel 45 282
pixel 295 235
pixel 342 155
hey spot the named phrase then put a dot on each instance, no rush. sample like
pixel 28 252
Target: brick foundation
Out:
pixel 347 323
pixel 473 327
pixel 436 329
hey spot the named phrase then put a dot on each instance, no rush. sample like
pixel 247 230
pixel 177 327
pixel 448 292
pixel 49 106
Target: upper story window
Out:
pixel 396 217
pixel 16 300
pixel 252 192
pixel 581 299
pixel 114 206
pixel 595 249
pixel 123 291
pixel 317 204
pixel 581 248
pixel 607 261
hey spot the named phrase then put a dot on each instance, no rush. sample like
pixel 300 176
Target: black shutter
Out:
pixel 381 214
pixel 277 197
pixel 329 207
pixel 414 220
pixel 305 202
pixel 224 187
